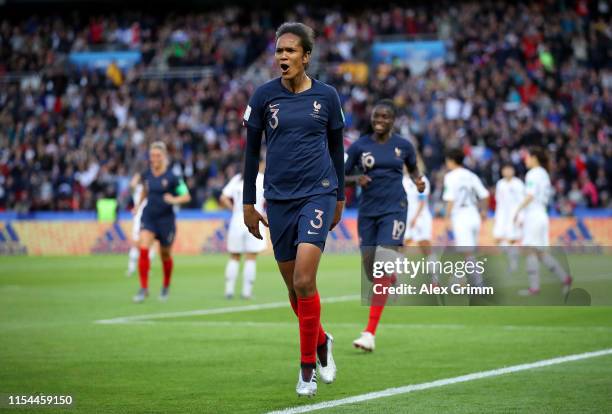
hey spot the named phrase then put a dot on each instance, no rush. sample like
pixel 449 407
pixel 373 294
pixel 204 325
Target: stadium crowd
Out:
pixel 517 74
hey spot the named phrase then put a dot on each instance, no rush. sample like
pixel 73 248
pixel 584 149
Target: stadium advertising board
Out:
pixel 41 238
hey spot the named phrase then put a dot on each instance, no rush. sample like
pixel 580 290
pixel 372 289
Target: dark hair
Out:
pixel 541 155
pixel 388 103
pixel 305 33
pixel 507 164
pixel 454 154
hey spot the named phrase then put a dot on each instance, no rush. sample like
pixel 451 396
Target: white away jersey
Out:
pixel 233 189
pixel 464 188
pixel 413 196
pixel 537 184
pixel 508 195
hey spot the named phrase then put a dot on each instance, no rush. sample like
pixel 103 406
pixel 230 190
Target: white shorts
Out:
pixel 422 229
pixel 535 230
pixel 239 240
pixel 466 229
pixel 136 222
pixel 505 229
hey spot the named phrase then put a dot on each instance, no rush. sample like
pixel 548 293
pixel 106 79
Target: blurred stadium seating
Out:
pixel 508 75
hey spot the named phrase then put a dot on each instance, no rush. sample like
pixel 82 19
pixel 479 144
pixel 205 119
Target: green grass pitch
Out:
pixel 247 362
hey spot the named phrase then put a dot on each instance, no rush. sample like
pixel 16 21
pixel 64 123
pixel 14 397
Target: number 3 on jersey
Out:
pixel 273 118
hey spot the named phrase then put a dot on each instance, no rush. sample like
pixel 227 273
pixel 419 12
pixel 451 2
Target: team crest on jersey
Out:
pixel 316 107
pixel 398 152
pixel 164 183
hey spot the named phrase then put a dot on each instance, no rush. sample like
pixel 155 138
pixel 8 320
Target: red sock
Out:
pixel 309 317
pixel 143 267
pixel 377 305
pixel 322 338
pixel 167 271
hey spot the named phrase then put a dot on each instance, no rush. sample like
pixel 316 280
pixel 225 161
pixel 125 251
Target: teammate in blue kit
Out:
pixel 162 190
pixel 381 157
pixel 303 185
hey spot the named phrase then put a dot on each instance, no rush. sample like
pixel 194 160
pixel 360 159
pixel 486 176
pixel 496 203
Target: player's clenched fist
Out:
pixel 364 180
pixel 252 218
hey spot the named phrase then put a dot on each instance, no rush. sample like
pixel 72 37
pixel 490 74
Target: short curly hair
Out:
pixel 304 32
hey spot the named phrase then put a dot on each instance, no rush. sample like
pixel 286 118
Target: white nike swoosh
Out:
pixel 274 106
pixel 312 232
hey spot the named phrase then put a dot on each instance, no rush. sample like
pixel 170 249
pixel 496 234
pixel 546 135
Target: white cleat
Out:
pixel 365 342
pixel 307 388
pixel 164 293
pixel 529 292
pixel 567 286
pixel 328 372
pixel 141 295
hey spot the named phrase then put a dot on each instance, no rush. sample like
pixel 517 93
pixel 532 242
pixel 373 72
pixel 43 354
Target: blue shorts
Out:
pixel 385 230
pixel 164 228
pixel 305 220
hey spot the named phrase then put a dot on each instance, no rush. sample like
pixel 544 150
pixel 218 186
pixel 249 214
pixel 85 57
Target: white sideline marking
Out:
pixel 258 324
pixel 215 311
pixel 442 382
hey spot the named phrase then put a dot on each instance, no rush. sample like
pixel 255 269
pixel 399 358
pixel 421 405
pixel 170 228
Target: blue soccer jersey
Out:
pixel 156 187
pixel 296 125
pixel 383 163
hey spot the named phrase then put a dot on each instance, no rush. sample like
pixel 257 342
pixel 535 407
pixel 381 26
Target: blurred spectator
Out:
pixel 518 74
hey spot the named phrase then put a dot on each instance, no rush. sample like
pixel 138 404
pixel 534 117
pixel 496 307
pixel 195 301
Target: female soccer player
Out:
pixel 162 190
pixel 382 208
pixel 239 240
pixel 535 224
pixel 419 221
pixel 509 192
pixel 304 185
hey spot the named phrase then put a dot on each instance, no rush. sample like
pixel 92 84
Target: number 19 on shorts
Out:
pixel 398 229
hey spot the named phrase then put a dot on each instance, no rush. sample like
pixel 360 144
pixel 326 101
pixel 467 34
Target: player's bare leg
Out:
pixel 427 250
pixel 249 273
pixel 231 274
pixel 555 268
pixel 512 252
pixel 144 265
pixel 165 252
pixel 533 273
